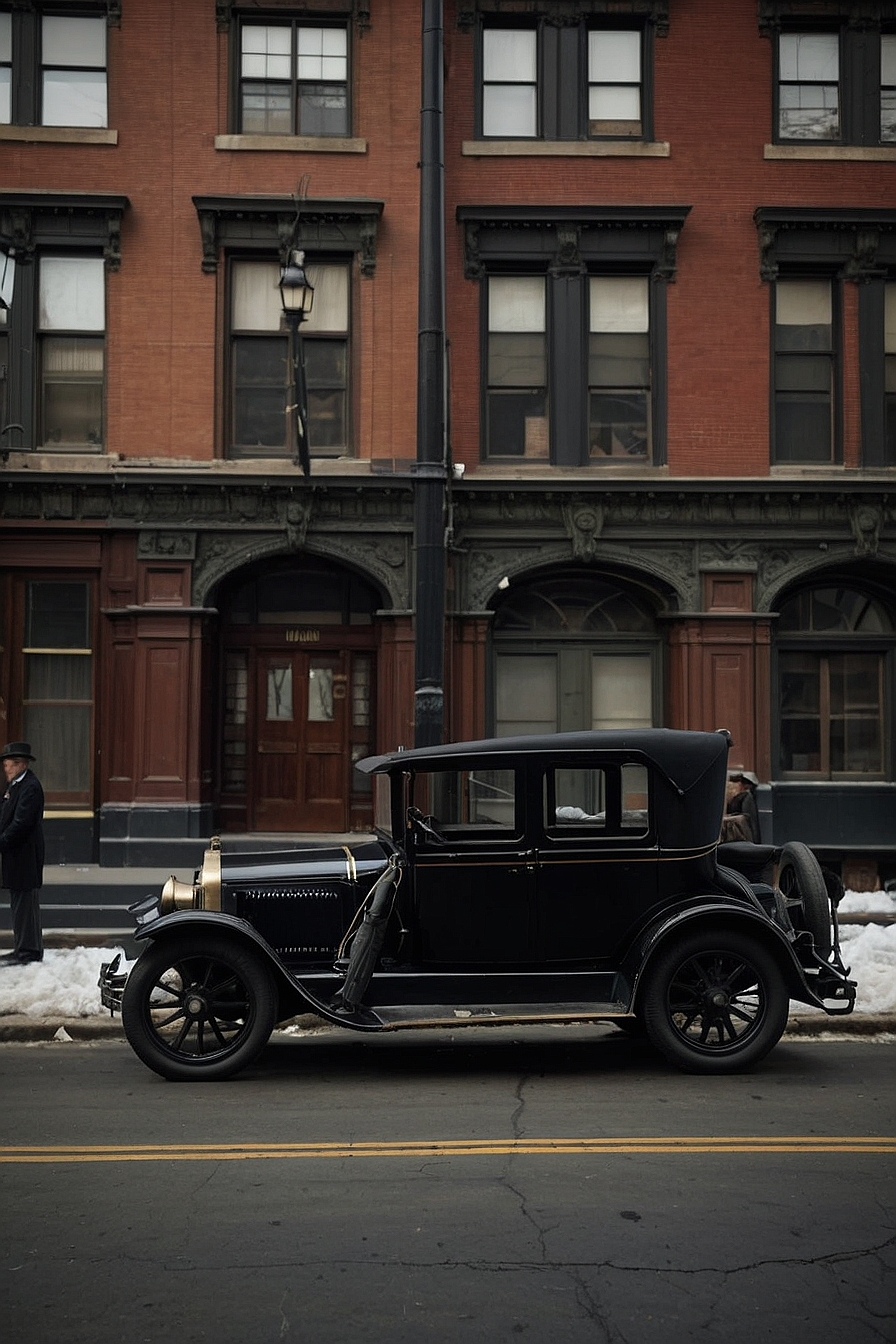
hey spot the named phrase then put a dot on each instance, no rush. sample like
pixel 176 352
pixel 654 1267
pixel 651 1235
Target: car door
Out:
pixel 596 859
pixel 473 876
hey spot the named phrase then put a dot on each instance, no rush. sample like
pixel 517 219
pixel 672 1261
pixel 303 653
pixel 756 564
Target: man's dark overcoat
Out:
pixel 22 835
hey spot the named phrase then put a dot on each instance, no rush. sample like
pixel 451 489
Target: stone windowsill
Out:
pixel 293 144
pixel 59 135
pixel 585 149
pixel 835 153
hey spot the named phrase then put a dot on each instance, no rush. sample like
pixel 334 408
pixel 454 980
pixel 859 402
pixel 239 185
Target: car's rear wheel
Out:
pixel 801 883
pixel 197 1008
pixel 715 1002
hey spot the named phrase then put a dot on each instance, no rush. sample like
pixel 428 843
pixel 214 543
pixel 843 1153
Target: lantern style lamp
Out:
pixel 297 297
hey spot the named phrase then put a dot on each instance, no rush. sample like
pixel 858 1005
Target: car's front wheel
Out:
pixel 197 1008
pixel 715 1003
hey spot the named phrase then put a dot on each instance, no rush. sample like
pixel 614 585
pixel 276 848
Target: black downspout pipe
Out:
pixel 429 485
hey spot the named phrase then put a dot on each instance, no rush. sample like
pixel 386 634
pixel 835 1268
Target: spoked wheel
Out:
pixel 801 883
pixel 198 1008
pixel 715 1003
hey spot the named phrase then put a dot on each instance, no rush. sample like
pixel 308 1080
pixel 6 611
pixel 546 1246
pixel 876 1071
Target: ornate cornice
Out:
pixel 282 223
pixel 31 218
pixel 358 10
pixel 775 14
pixel 858 244
pixel 566 12
pixel 571 236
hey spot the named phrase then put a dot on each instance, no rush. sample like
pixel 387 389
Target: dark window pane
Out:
pixel 803 373
pixel 55 676
pixel 267 109
pixel 800 685
pixel 517 424
pixel 802 428
pixel 803 339
pixel 260 418
pixel 809 112
pixel 323 109
pixel 619 359
pixel 259 361
pixel 891 432
pixel 618 426
pixel 325 362
pixel 60 739
pixel 57 616
pixel 326 416
pixel 516 359
pixel 801 745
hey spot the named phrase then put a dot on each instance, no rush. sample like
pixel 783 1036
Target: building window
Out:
pixel 619 367
pixel 614 82
pixel 809 86
pixel 890 372
pixel 567 81
pixel 5 68
pixel 258 361
pixel 836 85
pixel 53 67
pixel 71 326
pixel 573 652
pixel 833 648
pixel 293 79
pixel 516 418
pixel 58 682
pixel 803 371
pixel 888 88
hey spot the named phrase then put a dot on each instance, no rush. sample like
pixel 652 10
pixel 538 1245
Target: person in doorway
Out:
pixel 22 852
pixel 740 801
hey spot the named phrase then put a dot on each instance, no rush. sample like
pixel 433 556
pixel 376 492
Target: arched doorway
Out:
pixel 297 680
pixel 575 649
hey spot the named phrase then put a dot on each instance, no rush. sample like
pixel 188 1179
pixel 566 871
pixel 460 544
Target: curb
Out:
pixel 20 1028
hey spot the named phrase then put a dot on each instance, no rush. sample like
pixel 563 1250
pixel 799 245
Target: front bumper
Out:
pixel 112 983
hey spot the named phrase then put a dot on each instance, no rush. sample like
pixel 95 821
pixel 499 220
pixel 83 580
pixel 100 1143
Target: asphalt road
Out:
pixel 556 1187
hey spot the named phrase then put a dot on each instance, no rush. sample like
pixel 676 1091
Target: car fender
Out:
pixel 716 915
pixel 168 926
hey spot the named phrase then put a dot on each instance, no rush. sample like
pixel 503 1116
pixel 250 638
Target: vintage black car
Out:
pixel 572 877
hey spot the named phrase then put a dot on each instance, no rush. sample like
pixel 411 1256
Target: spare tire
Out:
pixel 801 883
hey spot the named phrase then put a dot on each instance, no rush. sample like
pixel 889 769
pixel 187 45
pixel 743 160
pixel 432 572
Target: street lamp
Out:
pixel 297 298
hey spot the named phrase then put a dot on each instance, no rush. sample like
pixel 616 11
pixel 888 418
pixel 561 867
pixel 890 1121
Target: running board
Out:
pixel 402 1017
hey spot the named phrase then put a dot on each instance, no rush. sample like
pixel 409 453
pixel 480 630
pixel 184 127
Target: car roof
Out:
pixel 683 756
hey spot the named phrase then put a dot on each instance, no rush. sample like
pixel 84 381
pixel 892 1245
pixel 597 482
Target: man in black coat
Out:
pixel 22 852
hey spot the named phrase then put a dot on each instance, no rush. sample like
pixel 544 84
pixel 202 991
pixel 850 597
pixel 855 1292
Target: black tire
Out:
pixel 199 1007
pixel 801 883
pixel 715 1002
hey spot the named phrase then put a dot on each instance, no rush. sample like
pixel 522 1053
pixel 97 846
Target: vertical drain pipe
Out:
pixel 430 479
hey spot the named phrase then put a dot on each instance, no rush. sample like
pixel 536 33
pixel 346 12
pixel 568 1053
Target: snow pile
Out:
pixel 64 984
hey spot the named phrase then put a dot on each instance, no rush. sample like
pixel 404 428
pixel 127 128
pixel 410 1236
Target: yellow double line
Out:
pixel 424 1148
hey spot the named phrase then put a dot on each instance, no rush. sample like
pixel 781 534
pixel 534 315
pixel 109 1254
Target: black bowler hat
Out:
pixel 16 751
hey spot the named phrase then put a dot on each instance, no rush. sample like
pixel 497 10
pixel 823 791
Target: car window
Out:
pixel 609 800
pixel 467 801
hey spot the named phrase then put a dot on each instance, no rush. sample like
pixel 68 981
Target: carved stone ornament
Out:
pixel 360 10
pixel 857 13
pixel 584 526
pixel 866 520
pixel 566 13
pixel 862 232
pixel 153 544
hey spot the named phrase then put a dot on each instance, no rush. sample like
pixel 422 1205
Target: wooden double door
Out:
pixel 302 758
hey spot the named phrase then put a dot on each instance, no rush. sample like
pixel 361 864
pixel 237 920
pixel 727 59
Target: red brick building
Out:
pixel 669 459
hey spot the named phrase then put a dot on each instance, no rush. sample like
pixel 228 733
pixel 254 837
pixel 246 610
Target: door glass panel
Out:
pixel 621 693
pixel 320 693
pixel 634 798
pixel 526 694
pixel 279 698
pixel 575 798
pixel 467 800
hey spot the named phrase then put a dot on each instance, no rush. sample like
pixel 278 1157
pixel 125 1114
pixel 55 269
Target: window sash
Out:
pixel 57 703
pixel 809 86
pixel 73 71
pixel 510 82
pixel 293 79
pixel 614 82
pixel 804 368
pixel 832 714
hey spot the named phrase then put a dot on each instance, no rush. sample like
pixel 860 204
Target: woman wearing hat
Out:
pixel 740 801
pixel 22 852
